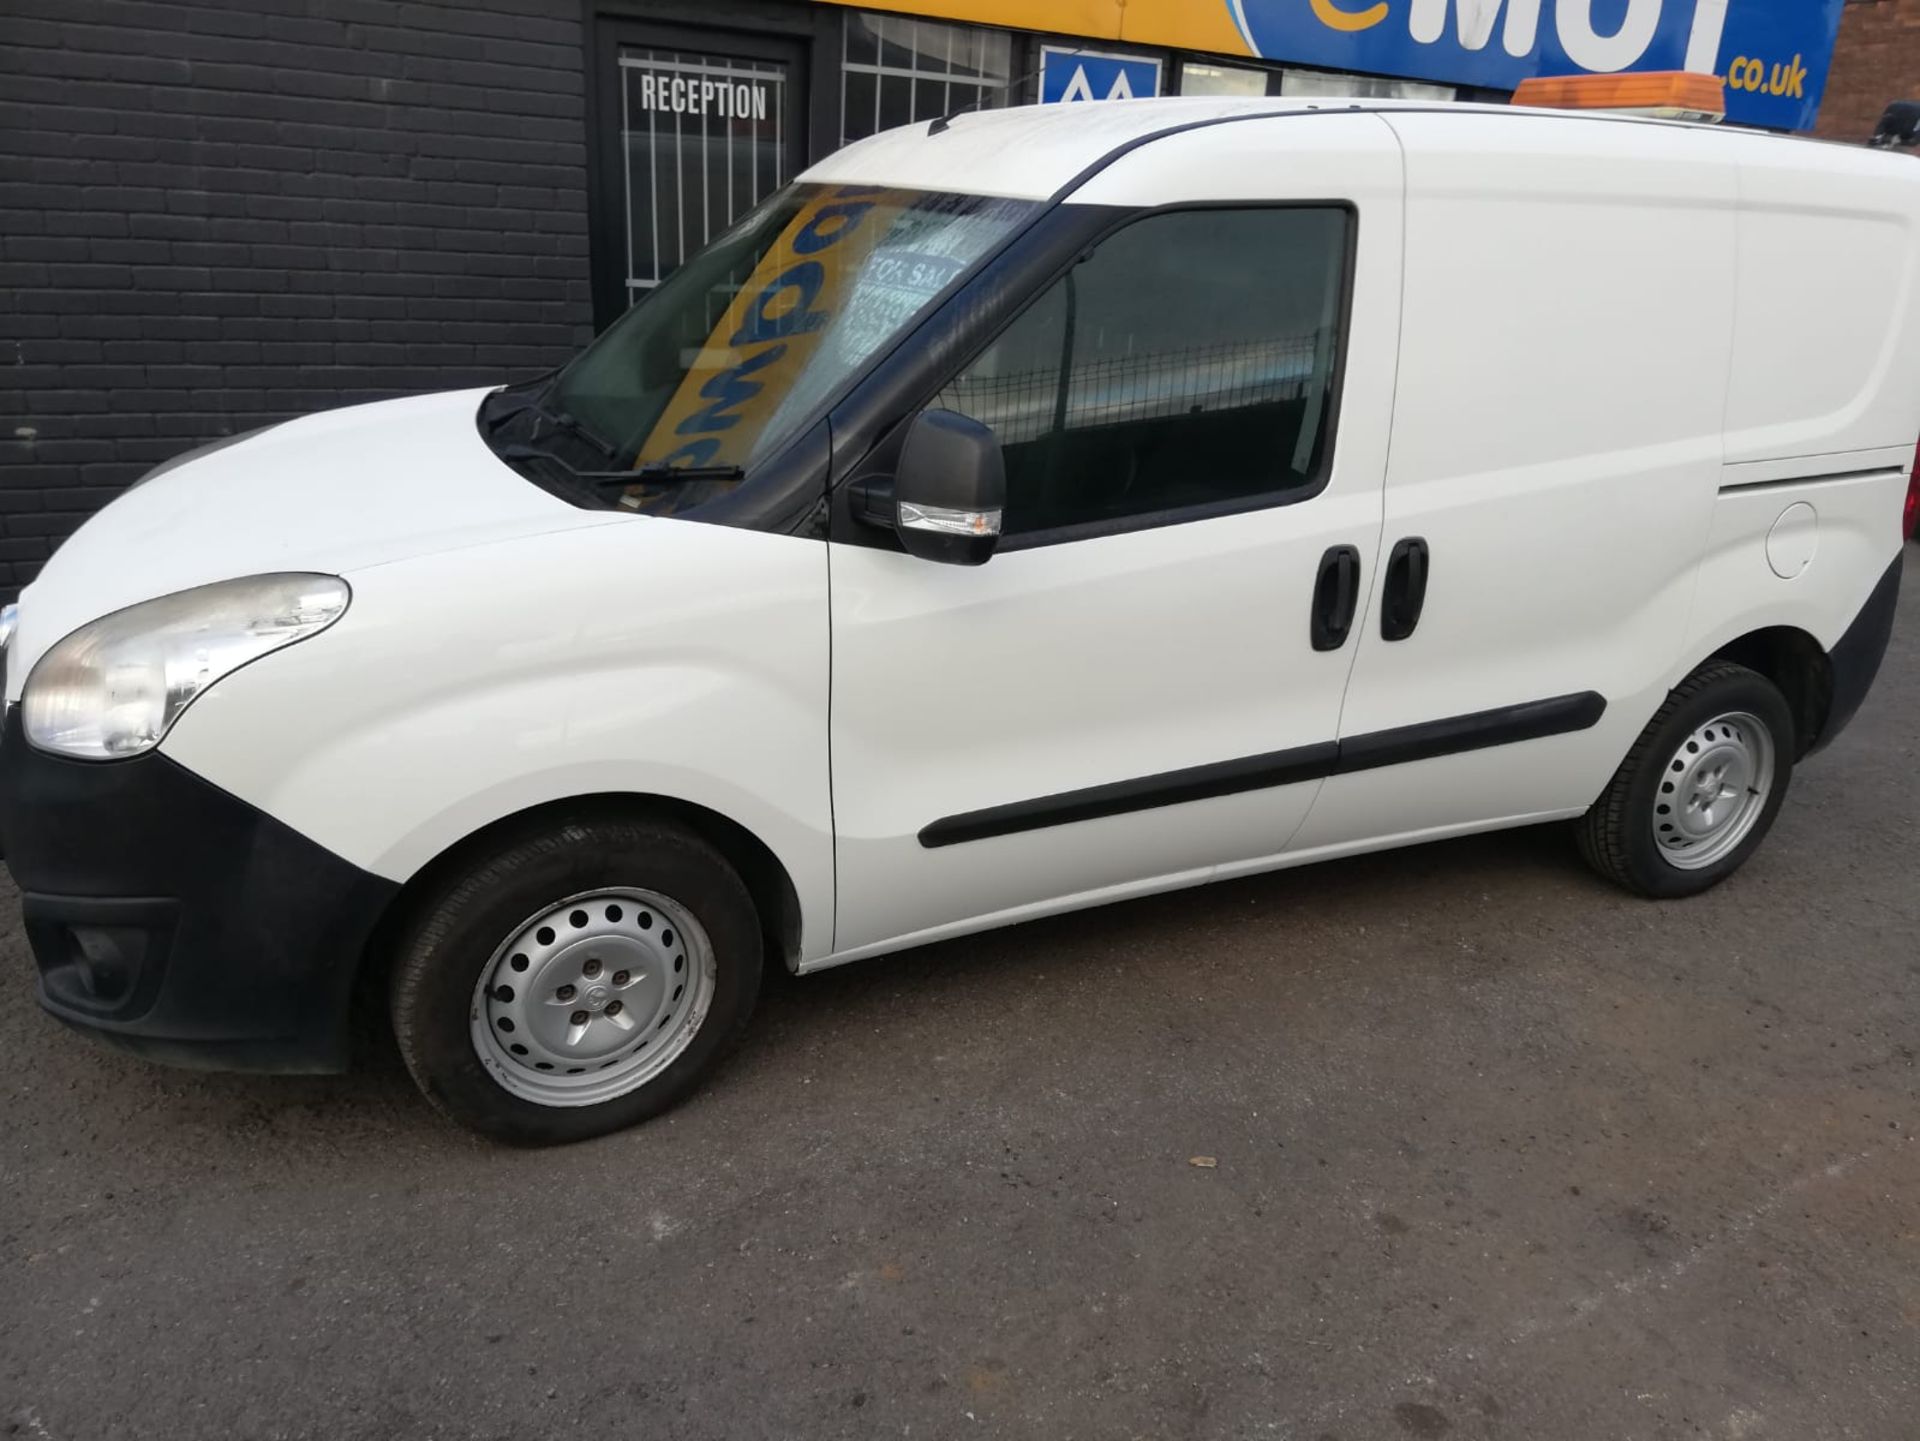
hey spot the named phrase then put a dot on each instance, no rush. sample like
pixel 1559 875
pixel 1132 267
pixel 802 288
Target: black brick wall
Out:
pixel 213 215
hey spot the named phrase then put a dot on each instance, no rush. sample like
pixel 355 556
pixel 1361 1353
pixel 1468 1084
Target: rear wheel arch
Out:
pixel 1800 670
pixel 1721 735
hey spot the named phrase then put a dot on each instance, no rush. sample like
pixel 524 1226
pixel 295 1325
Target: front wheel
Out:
pixel 575 978
pixel 1699 790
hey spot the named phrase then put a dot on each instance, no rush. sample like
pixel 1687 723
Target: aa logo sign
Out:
pixel 1072 75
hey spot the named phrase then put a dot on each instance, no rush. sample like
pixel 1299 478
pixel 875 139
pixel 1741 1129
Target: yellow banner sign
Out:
pixel 1183 24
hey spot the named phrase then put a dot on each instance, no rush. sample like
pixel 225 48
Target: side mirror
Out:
pixel 949 489
pixel 1900 125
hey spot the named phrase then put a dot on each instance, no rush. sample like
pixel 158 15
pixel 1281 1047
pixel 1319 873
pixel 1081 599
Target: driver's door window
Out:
pixel 1188 366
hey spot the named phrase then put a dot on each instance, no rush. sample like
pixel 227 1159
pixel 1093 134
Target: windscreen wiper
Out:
pixel 652 473
pixel 660 470
pixel 556 420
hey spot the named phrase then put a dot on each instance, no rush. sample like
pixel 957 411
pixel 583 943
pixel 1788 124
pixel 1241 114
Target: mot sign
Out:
pixel 1772 54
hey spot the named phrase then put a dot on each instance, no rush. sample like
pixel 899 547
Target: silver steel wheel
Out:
pixel 592 997
pixel 1713 791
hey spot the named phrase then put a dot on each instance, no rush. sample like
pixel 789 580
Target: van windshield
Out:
pixel 740 346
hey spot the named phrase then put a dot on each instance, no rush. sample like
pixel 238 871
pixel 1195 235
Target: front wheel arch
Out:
pixel 776 900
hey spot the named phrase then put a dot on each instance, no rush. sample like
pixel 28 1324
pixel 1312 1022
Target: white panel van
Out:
pixel 1014 514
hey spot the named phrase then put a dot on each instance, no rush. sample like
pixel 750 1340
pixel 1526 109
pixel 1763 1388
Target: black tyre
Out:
pixel 1700 788
pixel 575 978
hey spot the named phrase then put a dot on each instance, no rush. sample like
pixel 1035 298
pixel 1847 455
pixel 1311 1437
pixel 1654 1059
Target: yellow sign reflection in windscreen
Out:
pixel 768 332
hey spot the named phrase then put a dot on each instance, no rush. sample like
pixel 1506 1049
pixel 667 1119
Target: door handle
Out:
pixel 1336 590
pixel 1405 591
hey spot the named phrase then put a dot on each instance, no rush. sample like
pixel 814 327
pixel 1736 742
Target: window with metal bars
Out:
pixel 703 139
pixel 894 71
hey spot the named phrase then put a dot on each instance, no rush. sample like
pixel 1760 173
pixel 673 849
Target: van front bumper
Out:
pixel 177 921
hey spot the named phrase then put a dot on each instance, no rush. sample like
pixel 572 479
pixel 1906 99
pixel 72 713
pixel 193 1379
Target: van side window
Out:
pixel 1189 362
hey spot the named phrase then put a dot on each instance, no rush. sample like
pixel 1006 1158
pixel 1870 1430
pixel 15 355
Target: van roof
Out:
pixel 1032 152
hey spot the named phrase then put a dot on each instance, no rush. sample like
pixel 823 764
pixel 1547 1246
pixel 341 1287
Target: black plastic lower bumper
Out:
pixel 1855 657
pixel 175 919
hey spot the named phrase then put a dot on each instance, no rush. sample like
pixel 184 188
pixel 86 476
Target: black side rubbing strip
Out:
pixel 1531 720
pixel 1504 725
pixel 1169 788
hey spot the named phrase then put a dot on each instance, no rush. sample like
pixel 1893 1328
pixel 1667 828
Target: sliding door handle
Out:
pixel 1405 591
pixel 1336 591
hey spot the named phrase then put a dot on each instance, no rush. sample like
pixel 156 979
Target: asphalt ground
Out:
pixel 1500 1152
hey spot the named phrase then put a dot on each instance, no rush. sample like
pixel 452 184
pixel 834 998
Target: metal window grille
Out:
pixel 703 140
pixel 894 71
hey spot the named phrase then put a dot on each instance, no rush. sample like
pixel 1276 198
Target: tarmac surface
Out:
pixel 1499 1152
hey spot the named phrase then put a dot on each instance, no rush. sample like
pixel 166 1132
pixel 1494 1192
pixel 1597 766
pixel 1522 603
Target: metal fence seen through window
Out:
pixel 1027 404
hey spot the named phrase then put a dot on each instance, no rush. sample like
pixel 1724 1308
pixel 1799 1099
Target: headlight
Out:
pixel 115 686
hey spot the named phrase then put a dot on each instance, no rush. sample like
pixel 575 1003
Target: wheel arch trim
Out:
pixel 769 881
pixel 1823 685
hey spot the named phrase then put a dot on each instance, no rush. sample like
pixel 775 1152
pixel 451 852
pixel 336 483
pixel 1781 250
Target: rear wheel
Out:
pixel 575 978
pixel 1700 788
